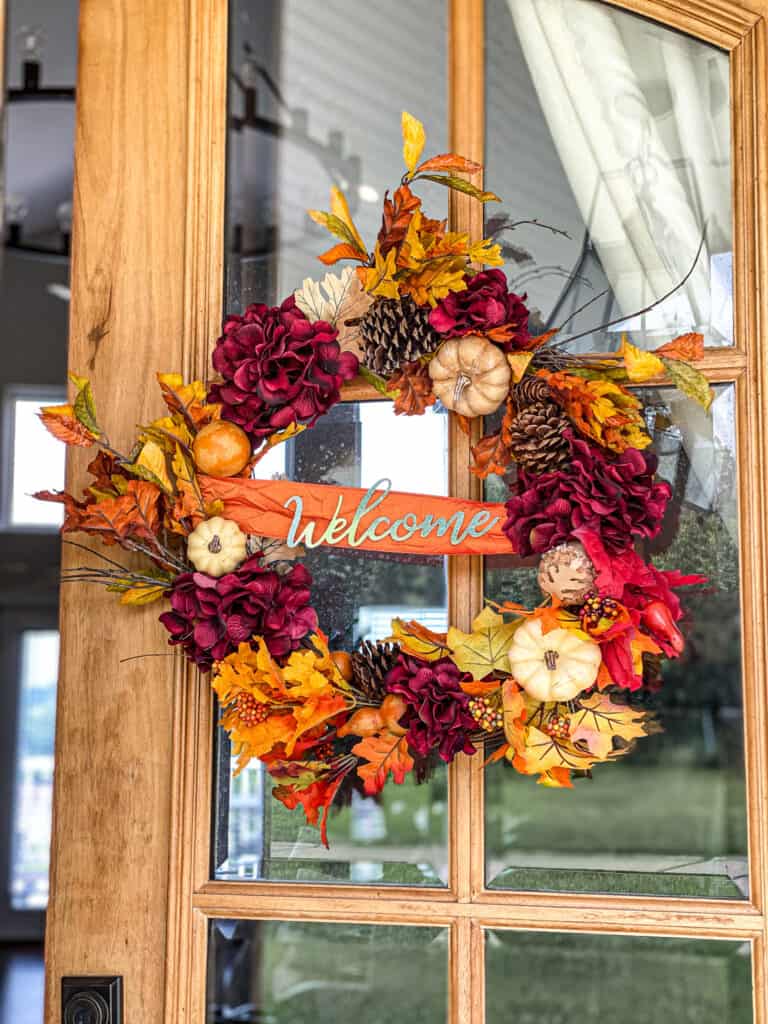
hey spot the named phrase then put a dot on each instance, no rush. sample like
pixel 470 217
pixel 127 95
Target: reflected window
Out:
pixel 627 158
pixel 33 783
pixel 35 461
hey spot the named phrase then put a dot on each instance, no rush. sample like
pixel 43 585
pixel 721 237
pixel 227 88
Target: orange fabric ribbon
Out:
pixel 376 519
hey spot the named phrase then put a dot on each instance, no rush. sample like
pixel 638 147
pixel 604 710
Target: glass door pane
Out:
pixel 315 99
pixel 627 153
pixel 398 837
pixel 554 979
pixel 292 972
pixel 670 817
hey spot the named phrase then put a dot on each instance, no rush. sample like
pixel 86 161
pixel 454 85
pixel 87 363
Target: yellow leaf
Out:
pixel 152 458
pixel 417 640
pixel 143 593
pixel 340 209
pixel 379 279
pixel 641 366
pixel 519 363
pixel 690 381
pixel 487 252
pixel 485 649
pixel 414 138
pixel 598 719
pixel 278 438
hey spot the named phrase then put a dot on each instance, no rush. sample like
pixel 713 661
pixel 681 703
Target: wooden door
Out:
pixel 135 888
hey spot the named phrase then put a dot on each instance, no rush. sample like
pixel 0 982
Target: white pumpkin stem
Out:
pixel 550 660
pixel 462 381
pixel 214 545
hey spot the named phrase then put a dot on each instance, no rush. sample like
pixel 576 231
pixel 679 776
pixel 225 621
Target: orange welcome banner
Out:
pixel 376 519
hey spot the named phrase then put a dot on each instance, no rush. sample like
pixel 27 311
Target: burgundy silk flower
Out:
pixel 484 304
pixel 210 617
pixel 438 709
pixel 615 497
pixel 278 368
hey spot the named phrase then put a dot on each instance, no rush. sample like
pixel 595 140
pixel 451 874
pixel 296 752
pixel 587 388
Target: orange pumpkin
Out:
pixel 221 449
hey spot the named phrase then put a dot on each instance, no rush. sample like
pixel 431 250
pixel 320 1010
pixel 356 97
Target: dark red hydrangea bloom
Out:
pixel 484 304
pixel 279 368
pixel 438 709
pixel 615 497
pixel 210 617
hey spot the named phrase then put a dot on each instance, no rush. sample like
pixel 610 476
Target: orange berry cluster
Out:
pixel 251 711
pixel 323 751
pixel 596 608
pixel 558 726
pixel 487 713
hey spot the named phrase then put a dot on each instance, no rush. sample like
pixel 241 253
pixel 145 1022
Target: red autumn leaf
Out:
pixel 382 754
pixel 133 514
pixel 319 795
pixel 414 385
pixel 396 218
pixel 67 428
pixel 449 162
pixel 342 251
pixel 687 347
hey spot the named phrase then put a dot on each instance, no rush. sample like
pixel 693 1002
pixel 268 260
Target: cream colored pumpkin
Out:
pixel 470 375
pixel 217 546
pixel 553 666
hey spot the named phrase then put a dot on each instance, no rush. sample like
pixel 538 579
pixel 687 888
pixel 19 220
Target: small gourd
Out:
pixel 217 546
pixel 553 666
pixel 470 375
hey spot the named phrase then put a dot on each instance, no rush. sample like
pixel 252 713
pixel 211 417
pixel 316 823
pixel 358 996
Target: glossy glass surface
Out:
pixel 33 784
pixel 615 131
pixel 670 817
pixel 316 95
pixel 289 972
pixel 400 836
pixel 540 978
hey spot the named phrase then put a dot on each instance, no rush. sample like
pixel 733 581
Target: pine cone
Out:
pixel 536 438
pixel 370 666
pixel 530 391
pixel 396 331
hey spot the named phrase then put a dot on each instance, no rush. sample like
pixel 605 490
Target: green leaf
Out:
pixel 85 407
pixel 375 381
pixel 337 227
pixel 145 474
pixel 690 381
pixel 460 185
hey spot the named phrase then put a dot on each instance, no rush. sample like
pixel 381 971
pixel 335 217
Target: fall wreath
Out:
pixel 420 322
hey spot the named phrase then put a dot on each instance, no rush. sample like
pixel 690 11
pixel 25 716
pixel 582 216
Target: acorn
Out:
pixel 343 663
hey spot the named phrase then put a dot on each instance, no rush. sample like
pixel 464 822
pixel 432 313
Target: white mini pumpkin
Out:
pixel 217 546
pixel 470 375
pixel 553 666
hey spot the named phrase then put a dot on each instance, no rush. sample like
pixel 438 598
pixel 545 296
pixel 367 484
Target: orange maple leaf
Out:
pixel 687 347
pixel 383 754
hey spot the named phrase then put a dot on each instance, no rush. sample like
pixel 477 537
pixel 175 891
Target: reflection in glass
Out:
pixel 315 100
pixel 559 978
pixel 33 784
pixel 289 972
pixel 670 818
pixel 38 463
pixel 629 154
pixel 399 836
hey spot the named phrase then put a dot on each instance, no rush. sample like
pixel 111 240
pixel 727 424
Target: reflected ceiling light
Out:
pixel 368 193
pixel 59 291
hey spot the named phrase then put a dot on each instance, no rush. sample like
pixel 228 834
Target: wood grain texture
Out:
pixel 721 22
pixel 111 834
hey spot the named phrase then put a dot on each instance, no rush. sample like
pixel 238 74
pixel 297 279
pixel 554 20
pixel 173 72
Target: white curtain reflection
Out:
pixel 639 116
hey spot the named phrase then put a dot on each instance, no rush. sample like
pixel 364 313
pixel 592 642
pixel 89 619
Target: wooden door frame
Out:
pixel 151 299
